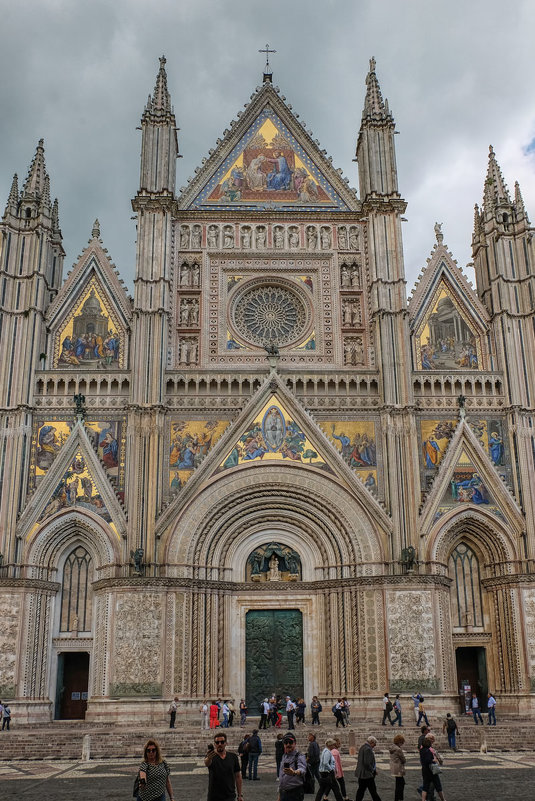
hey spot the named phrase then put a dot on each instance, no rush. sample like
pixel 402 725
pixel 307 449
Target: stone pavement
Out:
pixel 487 777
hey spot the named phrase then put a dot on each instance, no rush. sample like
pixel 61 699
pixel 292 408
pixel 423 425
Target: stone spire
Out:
pixel 95 231
pixel 35 185
pixel 374 105
pixel 495 192
pixel 520 209
pixel 160 102
pixel 13 199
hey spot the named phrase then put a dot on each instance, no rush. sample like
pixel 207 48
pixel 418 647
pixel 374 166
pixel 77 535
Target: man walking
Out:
pixel 290 711
pixel 366 770
pixel 397 710
pixel 491 706
pixel 416 700
pixel 292 771
pixel 172 711
pixel 387 709
pixel 264 714
pixel 224 776
pixel 450 728
pixel 313 756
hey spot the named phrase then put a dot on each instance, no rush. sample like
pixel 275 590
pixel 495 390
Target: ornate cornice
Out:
pixel 510 581
pixel 47 587
pixel 273 588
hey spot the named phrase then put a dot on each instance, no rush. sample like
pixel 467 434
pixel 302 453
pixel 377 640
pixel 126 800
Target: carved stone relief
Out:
pixel 9 614
pixel 354 351
pixel 412 659
pixel 529 610
pixel 138 630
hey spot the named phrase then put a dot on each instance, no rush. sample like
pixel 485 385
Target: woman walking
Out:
pixel 327 774
pixel 430 770
pixel 397 765
pixel 153 775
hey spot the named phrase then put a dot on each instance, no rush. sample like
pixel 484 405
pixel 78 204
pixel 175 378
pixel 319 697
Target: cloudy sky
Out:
pixel 458 76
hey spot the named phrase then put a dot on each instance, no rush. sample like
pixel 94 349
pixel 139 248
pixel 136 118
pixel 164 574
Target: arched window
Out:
pixel 467 608
pixel 76 593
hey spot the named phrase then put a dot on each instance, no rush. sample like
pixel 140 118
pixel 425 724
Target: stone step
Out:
pixel 65 740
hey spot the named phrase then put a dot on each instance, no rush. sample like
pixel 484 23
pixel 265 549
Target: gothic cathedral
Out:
pixel 269 470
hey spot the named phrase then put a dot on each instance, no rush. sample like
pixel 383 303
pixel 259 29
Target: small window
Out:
pixel 28 213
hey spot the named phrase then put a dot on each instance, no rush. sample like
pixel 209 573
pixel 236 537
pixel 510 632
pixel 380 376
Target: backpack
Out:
pixel 334 709
pixel 450 725
pixel 389 706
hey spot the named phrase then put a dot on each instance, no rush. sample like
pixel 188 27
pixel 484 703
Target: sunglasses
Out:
pixel 219 742
pixel 151 750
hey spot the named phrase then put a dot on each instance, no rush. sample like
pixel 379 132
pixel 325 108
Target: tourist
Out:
pixel 425 730
pixel 273 712
pixel 429 776
pixel 315 708
pixel 214 722
pixel 224 774
pixel 416 700
pixel 421 712
pixel 491 706
pixel 338 770
pixel 366 770
pixel 6 716
pixel 476 710
pixel 397 709
pixel 243 712
pixel 231 711
pixel 300 710
pixel 243 752
pixel 327 768
pixel 279 751
pixel 450 728
pixel 290 711
pixel 205 715
pixel 388 706
pixel 292 771
pixel 397 765
pixel 338 712
pixel 255 749
pixel 153 775
pixel 264 714
pixel 172 711
pixel 226 712
pixel 347 709
pixel 313 755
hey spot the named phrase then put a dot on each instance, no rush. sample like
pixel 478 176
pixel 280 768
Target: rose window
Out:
pixel 270 314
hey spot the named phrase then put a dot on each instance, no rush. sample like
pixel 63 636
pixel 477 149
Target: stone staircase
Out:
pixel 78 739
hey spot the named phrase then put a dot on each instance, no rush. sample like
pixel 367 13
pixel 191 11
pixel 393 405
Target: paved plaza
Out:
pixel 490 777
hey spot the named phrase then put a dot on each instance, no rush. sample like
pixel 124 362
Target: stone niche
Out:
pixel 273 562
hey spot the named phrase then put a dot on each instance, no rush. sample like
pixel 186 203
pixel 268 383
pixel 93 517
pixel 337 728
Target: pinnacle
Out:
pixel 519 203
pixel 13 199
pixel 374 106
pixel 95 231
pixel 161 99
pixel 495 191
pixel 35 185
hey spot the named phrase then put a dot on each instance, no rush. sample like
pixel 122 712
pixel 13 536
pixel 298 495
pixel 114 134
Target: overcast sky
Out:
pixel 458 75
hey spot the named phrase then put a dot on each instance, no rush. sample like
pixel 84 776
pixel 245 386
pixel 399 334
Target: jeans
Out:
pixel 290 716
pixel 385 716
pixel 451 739
pixel 172 721
pixel 424 716
pixel 253 765
pixel 367 784
pixel 397 719
pixel 5 723
pixel 492 716
pixel 476 713
pixel 400 784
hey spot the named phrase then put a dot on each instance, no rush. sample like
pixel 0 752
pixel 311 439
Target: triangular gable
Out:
pixel 75 481
pixel 303 439
pixel 94 294
pixel 468 478
pixel 268 160
pixel 274 435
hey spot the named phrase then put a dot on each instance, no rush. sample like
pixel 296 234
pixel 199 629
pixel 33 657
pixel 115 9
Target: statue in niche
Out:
pixel 260 237
pixel 312 238
pixel 293 238
pixel 184 237
pixel 228 237
pixel 194 312
pixel 354 238
pixel 195 275
pixel 185 274
pixel 274 572
pixel 257 559
pixel 325 237
pixel 355 275
pixel 346 277
pixel 185 313
pixel 342 239
pixel 246 238
pixel 213 236
pixel 278 236
pixel 196 237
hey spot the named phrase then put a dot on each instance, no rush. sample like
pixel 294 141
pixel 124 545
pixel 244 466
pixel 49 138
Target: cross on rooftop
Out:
pixel 267 72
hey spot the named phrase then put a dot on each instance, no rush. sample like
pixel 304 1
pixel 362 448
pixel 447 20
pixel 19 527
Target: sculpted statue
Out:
pixel 194 312
pixel 355 275
pixel 185 274
pixel 293 238
pixel 325 237
pixel 228 236
pixel 260 237
pixel 195 275
pixel 354 238
pixel 438 233
pixel 345 277
pixel 312 238
pixel 137 556
pixel 278 237
pixel 184 313
pixel 342 238
pixel 213 236
pixel 184 237
pixel 196 237
pixel 246 238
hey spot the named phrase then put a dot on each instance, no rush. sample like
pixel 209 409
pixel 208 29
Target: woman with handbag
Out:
pixel 430 770
pixel 327 769
pixel 397 765
pixel 153 776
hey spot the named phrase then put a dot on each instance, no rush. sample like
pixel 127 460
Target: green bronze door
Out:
pixel 274 655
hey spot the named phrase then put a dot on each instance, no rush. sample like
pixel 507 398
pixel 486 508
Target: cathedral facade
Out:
pixel 269 470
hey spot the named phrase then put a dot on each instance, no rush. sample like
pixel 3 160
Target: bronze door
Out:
pixel 274 655
pixel 75 680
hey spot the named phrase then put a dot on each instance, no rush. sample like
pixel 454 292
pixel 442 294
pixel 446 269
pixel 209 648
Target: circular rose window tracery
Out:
pixel 270 313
